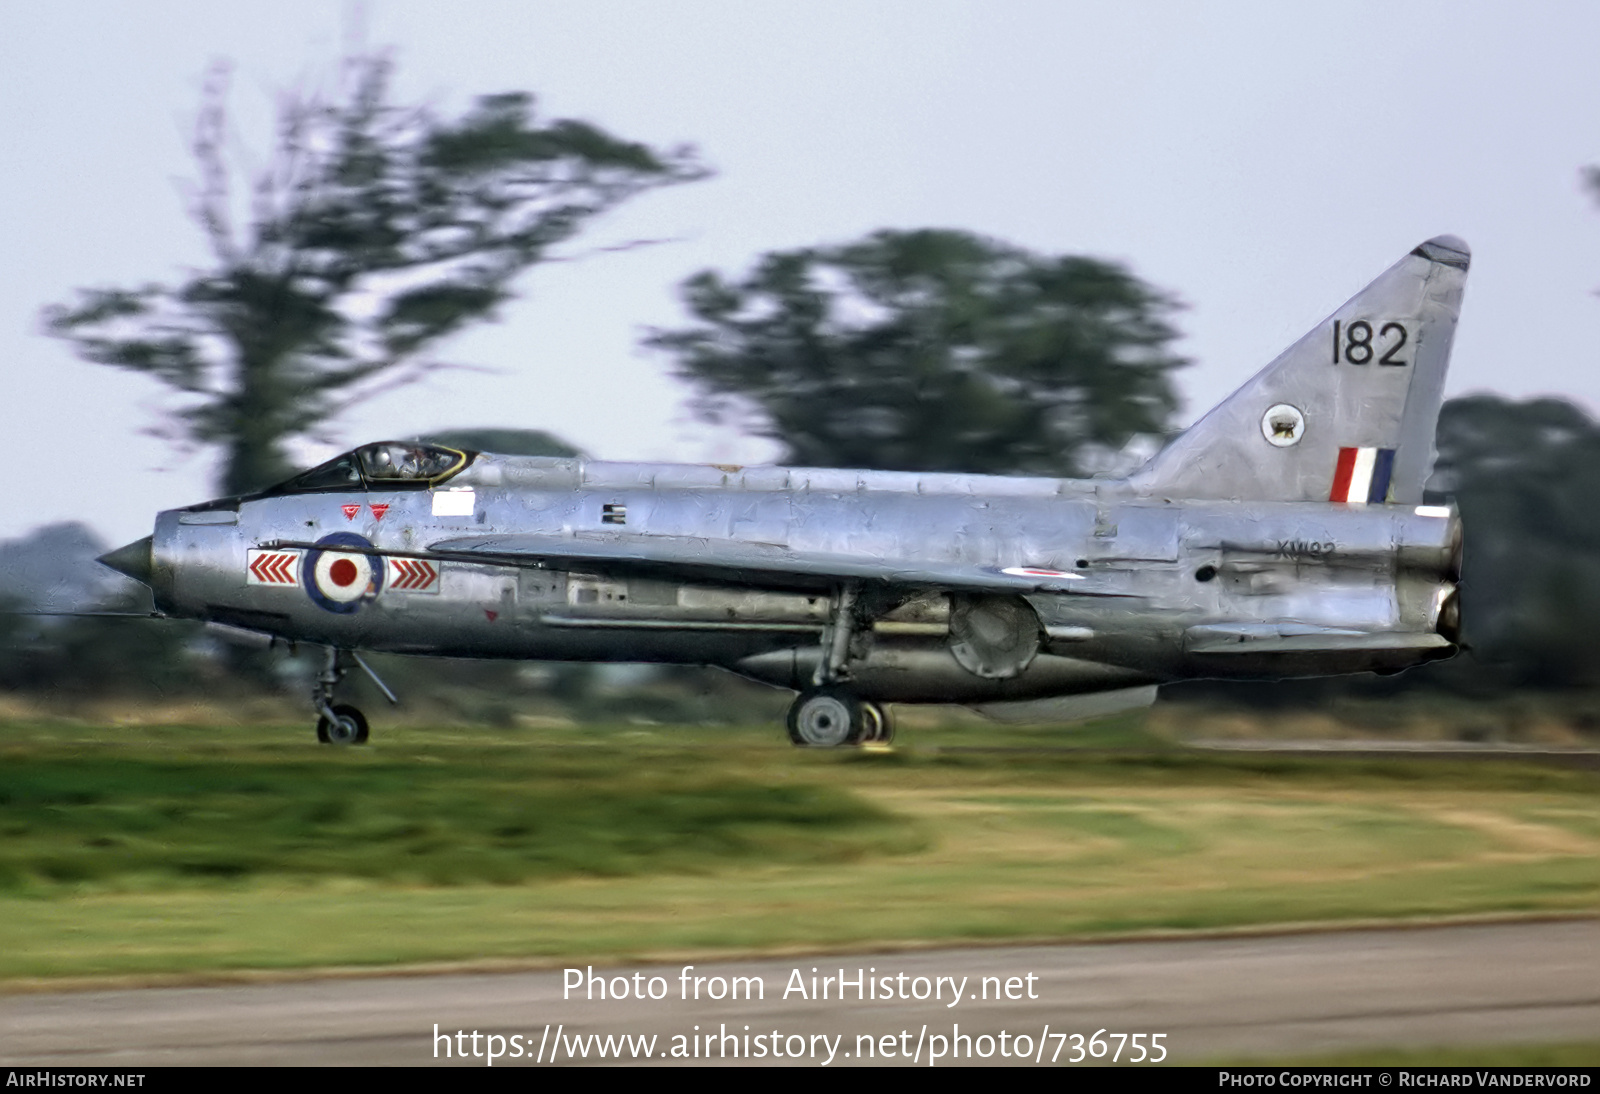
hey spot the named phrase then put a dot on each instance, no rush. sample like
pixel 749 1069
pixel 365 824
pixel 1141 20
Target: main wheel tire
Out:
pixel 826 718
pixel 879 724
pixel 348 727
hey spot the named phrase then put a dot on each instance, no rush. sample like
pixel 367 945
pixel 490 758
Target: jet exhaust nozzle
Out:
pixel 134 560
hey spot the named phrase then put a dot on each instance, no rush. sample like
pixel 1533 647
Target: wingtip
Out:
pixel 1447 250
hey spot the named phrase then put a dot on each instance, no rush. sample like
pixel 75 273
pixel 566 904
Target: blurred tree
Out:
pixel 1527 479
pixel 375 231
pixel 53 569
pixel 931 350
pixel 507 442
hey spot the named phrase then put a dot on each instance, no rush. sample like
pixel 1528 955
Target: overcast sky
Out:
pixel 1261 161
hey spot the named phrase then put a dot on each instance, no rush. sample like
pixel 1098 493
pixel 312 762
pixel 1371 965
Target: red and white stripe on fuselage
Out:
pixel 1362 476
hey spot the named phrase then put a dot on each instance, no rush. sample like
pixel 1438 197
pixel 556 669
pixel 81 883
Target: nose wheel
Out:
pixel 342 725
pixel 832 717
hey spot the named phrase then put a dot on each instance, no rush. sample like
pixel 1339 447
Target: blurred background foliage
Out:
pixel 931 350
pixel 374 231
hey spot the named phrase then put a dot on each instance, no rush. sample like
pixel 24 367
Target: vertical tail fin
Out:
pixel 1345 414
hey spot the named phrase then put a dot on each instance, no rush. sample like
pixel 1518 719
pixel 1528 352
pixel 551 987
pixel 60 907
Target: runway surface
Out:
pixel 1213 999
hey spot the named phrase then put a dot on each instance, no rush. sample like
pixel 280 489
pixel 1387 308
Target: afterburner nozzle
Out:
pixel 133 560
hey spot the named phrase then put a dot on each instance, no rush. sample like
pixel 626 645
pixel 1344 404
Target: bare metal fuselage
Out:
pixel 1169 591
pixel 1283 534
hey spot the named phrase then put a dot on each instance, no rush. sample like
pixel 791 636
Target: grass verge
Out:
pixel 157 850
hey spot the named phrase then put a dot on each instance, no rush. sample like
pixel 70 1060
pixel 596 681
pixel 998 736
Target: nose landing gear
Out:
pixel 342 724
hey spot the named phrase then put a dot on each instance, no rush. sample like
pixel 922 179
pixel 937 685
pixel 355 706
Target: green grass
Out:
pixel 180 850
pixel 141 818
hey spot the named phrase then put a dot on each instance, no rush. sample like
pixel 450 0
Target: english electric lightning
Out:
pixel 1284 534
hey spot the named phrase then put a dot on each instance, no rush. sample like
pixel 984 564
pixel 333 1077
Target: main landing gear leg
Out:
pixel 829 714
pixel 834 657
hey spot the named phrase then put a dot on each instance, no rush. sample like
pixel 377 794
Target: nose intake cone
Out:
pixel 133 560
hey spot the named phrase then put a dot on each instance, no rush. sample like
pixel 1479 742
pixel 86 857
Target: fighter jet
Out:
pixel 1283 534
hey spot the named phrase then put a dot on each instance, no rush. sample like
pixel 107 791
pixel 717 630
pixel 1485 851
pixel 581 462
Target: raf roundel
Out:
pixel 339 575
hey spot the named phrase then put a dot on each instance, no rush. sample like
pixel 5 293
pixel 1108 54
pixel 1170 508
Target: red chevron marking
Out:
pixel 274 568
pixel 350 511
pixel 413 575
pixel 378 511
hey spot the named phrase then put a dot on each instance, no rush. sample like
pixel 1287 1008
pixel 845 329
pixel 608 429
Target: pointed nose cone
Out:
pixel 133 560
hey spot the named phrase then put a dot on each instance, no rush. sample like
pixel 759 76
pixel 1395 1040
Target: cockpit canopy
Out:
pixel 386 465
pixel 390 460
